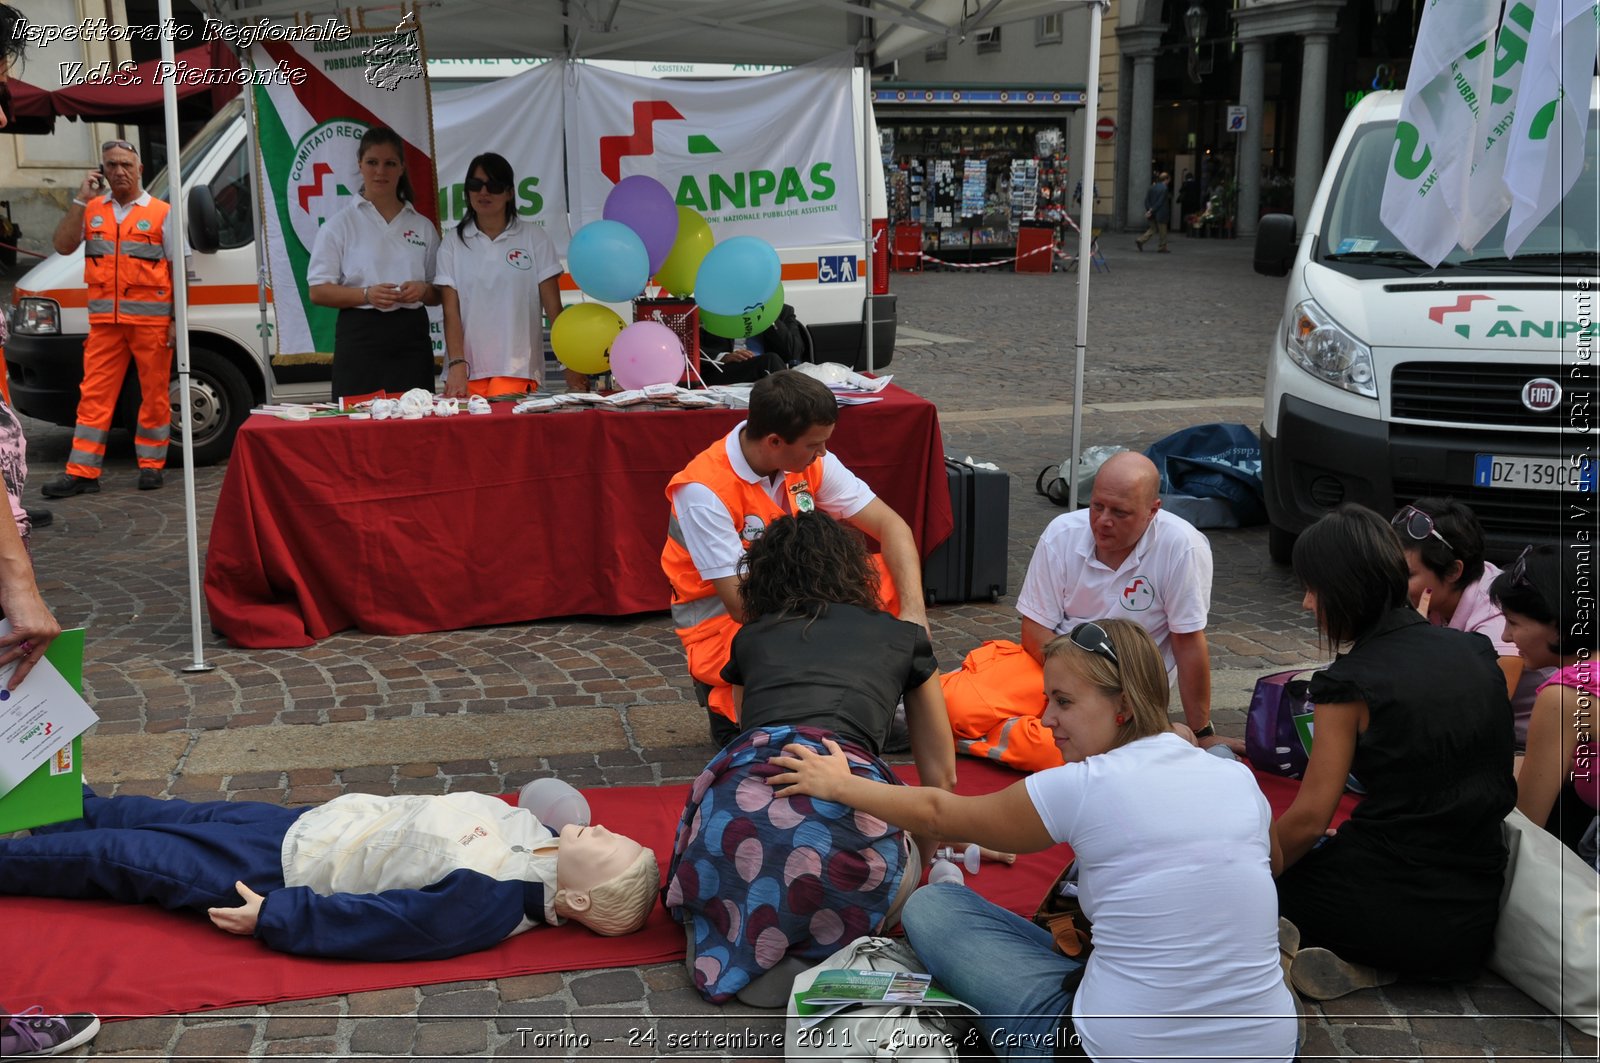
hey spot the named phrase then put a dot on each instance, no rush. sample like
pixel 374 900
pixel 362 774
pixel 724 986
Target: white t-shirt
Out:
pixel 1175 873
pixel 709 531
pixel 1164 585
pixel 497 282
pixel 356 247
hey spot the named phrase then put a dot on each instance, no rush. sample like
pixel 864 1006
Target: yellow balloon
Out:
pixel 677 273
pixel 582 336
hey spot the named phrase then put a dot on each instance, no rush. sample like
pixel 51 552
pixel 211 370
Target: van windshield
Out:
pixel 197 148
pixel 1355 241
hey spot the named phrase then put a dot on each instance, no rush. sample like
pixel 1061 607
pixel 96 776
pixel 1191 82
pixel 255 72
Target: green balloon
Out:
pixel 755 319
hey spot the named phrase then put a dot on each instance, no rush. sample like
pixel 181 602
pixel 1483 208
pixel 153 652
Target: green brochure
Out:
pixel 53 793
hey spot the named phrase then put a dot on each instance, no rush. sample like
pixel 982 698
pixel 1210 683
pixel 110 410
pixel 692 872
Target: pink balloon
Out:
pixel 644 205
pixel 645 353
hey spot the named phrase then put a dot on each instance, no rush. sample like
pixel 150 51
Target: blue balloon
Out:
pixel 737 274
pixel 609 261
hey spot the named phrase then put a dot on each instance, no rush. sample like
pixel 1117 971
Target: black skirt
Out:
pixel 378 350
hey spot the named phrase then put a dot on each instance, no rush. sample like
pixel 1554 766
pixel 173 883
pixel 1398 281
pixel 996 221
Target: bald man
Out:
pixel 1121 557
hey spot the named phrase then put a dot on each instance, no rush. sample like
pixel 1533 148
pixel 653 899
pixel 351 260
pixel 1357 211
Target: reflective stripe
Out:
pixel 162 433
pixel 102 306
pixel 148 252
pixel 143 450
pixel 99 247
pixel 91 434
pixel 692 614
pixel 141 308
pixel 997 749
pixel 675 531
pixel 86 458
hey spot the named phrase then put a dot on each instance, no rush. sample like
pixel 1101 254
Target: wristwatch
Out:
pixel 1208 731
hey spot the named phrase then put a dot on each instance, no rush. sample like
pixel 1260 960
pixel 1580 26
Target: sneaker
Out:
pixel 32 1033
pixel 151 479
pixel 66 485
pixel 1321 975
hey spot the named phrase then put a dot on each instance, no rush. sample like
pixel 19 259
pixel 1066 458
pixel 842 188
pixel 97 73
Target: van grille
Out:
pixel 1520 516
pixel 1475 393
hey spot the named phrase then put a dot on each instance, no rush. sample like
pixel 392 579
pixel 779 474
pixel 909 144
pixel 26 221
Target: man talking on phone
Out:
pixel 127 266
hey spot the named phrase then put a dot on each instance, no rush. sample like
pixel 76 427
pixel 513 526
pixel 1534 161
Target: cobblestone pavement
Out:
pixel 1173 340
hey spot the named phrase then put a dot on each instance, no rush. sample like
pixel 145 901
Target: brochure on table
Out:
pixel 835 990
pixel 40 748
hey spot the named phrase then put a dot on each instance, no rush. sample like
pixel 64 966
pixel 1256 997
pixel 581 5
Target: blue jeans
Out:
pixel 998 962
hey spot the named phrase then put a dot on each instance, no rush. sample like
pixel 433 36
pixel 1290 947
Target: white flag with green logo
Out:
pixel 1487 194
pixel 309 124
pixel 1452 70
pixel 1547 149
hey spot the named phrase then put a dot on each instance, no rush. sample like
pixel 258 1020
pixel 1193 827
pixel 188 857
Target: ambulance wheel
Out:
pixel 219 401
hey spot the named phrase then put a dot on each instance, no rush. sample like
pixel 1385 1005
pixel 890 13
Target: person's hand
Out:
pixel 90 187
pixel 413 292
pixel 33 628
pixel 1235 744
pixel 576 381
pixel 809 772
pixel 455 382
pixel 241 920
pixel 1424 602
pixel 172 333
pixel 739 354
pixel 383 296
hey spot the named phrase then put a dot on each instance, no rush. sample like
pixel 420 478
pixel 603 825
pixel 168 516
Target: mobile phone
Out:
pixel 100 182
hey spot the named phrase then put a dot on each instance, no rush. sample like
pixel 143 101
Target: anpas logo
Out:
pixel 414 238
pixel 1138 595
pixel 323 176
pixel 1465 317
pixel 519 258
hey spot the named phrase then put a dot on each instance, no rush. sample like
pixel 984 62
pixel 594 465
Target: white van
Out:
pixel 230 338
pixel 1388 381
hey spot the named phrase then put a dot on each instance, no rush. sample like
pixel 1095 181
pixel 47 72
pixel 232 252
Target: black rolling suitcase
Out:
pixel 971 564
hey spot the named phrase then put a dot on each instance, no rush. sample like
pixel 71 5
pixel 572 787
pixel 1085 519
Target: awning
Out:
pixel 129 99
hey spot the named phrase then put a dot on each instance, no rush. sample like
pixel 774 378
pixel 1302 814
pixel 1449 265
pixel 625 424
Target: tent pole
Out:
pixel 180 309
pixel 264 329
pixel 869 153
pixel 1091 106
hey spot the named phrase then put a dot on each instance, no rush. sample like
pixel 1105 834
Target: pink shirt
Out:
pixel 1475 612
pixel 1583 676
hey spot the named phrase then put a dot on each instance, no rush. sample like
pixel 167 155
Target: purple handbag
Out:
pixel 1277 729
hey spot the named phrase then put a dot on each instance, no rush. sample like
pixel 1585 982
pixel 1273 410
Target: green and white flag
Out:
pixel 1425 192
pixel 309 126
pixel 1546 153
pixel 1487 194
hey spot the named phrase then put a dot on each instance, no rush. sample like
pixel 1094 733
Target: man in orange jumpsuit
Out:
pixel 775 463
pixel 128 250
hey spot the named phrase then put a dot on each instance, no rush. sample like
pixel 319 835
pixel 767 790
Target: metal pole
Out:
pixel 263 329
pixel 180 309
pixel 869 158
pixel 1091 106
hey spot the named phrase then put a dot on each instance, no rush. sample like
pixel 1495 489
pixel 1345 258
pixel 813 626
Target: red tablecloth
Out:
pixel 399 527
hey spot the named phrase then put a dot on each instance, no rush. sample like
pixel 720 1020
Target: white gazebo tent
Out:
pixel 779 32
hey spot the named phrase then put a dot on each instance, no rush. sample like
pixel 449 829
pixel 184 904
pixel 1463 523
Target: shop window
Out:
pixel 988 40
pixel 1047 29
pixel 935 52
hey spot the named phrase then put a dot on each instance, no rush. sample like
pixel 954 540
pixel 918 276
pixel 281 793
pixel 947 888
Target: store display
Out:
pixel 974 185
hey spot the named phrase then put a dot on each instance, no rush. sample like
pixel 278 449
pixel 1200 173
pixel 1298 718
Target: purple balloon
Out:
pixel 644 205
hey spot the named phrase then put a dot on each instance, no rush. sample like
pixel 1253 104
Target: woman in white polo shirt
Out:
pixel 499 276
pixel 373 261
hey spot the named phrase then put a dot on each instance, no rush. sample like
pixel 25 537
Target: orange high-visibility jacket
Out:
pixel 125 264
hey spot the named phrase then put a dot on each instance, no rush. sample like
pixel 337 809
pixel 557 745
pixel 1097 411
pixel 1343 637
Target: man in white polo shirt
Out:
pixel 1121 557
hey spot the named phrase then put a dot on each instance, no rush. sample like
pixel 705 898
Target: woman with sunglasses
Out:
pixel 1174 871
pixel 767 887
pixel 1410 884
pixel 372 261
pixel 1449 584
pixel 499 281
pixel 1548 604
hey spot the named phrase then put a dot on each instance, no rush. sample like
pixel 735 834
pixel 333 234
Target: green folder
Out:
pixel 53 793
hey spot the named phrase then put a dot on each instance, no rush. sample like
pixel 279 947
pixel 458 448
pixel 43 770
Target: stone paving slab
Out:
pixel 1174 340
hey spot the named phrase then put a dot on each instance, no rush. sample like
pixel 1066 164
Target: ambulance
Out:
pixel 1388 381
pixel 231 338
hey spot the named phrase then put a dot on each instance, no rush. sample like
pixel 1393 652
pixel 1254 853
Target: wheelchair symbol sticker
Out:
pixel 836 269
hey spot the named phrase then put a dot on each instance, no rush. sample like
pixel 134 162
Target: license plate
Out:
pixel 1534 474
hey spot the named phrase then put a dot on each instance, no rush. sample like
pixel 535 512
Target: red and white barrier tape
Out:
pixel 1043 248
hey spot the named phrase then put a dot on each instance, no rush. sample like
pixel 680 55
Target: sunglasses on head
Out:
pixel 1419 526
pixel 1093 638
pixel 107 145
pixel 1519 568
pixel 494 188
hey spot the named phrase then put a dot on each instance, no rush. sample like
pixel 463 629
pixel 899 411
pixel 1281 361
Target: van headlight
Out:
pixel 1326 351
pixel 36 317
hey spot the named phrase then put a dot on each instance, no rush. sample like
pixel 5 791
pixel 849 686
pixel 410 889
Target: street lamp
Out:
pixel 1194 22
pixel 1385 8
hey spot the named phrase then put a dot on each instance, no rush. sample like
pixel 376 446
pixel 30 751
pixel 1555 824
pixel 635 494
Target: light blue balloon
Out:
pixel 737 274
pixel 609 261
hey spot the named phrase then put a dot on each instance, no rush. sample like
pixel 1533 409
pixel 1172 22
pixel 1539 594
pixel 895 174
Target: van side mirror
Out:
pixel 204 226
pixel 1275 245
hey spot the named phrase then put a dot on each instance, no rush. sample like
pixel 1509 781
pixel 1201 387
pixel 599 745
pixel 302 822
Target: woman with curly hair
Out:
pixel 767 887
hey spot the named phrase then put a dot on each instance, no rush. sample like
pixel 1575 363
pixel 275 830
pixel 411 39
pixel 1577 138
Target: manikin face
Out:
pixel 1081 716
pixel 1531 638
pixel 592 855
pixel 807 448
pixel 380 171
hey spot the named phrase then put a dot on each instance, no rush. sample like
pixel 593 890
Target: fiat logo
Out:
pixel 1541 395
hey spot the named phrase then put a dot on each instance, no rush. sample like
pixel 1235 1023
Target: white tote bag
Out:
pixel 1547 942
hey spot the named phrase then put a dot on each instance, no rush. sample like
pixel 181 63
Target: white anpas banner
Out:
pixel 519 118
pixel 310 134
pixel 774 157
pixel 1437 137
pixel 1487 194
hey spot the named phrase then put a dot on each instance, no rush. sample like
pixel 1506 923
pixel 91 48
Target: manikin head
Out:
pixel 605 881
pixel 1126 495
pixel 791 419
